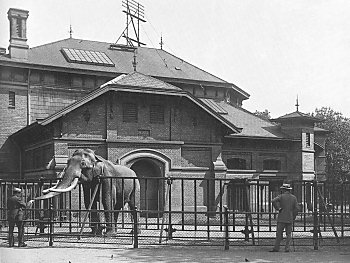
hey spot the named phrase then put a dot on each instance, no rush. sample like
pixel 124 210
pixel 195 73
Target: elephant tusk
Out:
pixel 50 189
pixel 60 175
pixel 70 188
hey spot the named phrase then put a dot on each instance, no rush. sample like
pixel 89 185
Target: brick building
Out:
pixel 163 117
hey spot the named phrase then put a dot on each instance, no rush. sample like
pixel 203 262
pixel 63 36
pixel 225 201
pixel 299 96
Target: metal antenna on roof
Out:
pixel 134 11
pixel 134 62
pixel 297 104
pixel 161 42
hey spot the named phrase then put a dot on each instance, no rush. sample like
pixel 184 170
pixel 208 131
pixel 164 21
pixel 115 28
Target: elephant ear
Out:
pixel 99 158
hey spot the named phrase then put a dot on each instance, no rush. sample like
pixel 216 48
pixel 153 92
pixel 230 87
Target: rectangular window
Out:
pixel 157 114
pixel 272 164
pixel 12 101
pixel 237 163
pixel 130 112
pixel 308 139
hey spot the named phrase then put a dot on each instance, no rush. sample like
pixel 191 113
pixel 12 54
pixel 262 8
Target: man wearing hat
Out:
pixel 287 206
pixel 15 215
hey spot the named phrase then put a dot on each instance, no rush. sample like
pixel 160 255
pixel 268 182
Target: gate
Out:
pixel 189 211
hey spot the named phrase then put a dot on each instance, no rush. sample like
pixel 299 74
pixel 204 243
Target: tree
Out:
pixel 337 143
pixel 263 114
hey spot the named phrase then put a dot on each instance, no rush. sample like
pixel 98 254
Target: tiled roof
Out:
pixel 137 79
pixel 150 61
pixel 297 115
pixel 251 125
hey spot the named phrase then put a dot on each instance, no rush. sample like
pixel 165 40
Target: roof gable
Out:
pixel 137 80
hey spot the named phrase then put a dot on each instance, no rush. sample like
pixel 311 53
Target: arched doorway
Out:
pixel 151 180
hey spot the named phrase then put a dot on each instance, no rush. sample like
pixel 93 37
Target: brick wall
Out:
pixel 12 119
pixel 87 121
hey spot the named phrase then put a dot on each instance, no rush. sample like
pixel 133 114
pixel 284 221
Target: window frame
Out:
pixel 12 100
pixel 157 114
pixel 127 115
pixel 308 139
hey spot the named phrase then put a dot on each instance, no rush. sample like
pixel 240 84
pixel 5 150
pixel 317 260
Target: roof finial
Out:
pixel 70 31
pixel 297 104
pixel 134 62
pixel 161 41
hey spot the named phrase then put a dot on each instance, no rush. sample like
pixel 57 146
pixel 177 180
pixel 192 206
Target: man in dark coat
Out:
pixel 287 206
pixel 15 216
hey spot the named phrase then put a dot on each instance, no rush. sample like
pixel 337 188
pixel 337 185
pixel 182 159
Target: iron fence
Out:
pixel 185 211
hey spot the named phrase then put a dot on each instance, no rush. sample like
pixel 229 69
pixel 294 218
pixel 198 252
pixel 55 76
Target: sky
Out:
pixel 274 50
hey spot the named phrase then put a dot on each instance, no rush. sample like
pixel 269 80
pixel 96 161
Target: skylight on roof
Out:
pixel 87 57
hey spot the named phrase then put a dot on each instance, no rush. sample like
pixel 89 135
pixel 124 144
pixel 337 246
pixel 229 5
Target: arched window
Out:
pixel 272 164
pixel 237 163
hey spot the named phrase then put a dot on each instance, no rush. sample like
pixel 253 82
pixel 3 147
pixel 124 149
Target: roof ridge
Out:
pixel 151 77
pixel 54 42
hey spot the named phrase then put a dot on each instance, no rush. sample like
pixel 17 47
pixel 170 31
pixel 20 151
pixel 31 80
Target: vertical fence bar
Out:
pixel 79 207
pixel 224 187
pixel 226 227
pixel 195 205
pixel 136 227
pixel 342 209
pixel 51 224
pixel 170 227
pixel 209 208
pixel 316 226
pixel 70 212
pixel 182 204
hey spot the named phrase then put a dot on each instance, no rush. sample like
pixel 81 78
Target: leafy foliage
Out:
pixel 337 143
pixel 263 114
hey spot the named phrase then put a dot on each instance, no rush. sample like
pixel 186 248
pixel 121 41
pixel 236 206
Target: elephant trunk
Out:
pixel 70 177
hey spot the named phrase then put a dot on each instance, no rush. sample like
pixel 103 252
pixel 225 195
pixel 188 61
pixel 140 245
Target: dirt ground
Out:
pixel 77 253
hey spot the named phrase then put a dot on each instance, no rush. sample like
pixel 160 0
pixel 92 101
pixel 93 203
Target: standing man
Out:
pixel 287 206
pixel 15 216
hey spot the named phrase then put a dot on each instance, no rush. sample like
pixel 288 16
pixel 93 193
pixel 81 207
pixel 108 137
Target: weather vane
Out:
pixel 70 31
pixel 297 104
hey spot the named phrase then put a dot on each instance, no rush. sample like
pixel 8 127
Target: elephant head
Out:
pixel 80 165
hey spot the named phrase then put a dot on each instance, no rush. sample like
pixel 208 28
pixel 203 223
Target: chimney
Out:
pixel 18 47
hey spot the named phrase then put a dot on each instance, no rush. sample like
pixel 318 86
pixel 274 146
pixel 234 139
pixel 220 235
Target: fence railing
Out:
pixel 178 211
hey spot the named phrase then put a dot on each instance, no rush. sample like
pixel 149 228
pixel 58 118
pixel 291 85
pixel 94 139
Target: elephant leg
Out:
pixel 117 207
pixel 133 218
pixel 107 202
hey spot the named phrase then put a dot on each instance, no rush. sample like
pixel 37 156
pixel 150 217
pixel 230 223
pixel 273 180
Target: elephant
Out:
pixel 119 185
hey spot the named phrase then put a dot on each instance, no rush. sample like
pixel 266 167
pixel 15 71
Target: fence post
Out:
pixel 51 224
pixel 226 227
pixel 136 227
pixel 316 226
